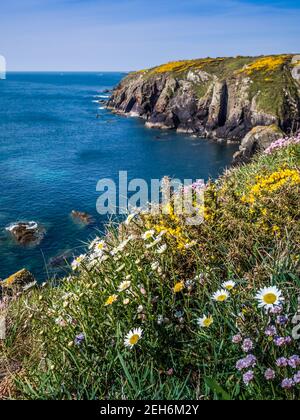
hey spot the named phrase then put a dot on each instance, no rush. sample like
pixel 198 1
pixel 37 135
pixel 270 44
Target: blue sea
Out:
pixel 54 150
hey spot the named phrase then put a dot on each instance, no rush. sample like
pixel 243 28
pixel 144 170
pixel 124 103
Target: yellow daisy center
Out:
pixel 134 339
pixel 207 322
pixel 221 298
pixel 270 298
pixel 229 287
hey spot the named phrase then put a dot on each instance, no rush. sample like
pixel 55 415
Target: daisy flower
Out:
pixel 229 285
pixel 148 234
pixel 178 287
pixel 162 249
pixel 93 243
pixel 99 246
pixel 77 262
pixel 205 321
pixel 111 300
pixel 155 266
pixel 133 337
pixel 269 297
pixel 124 286
pixel 221 295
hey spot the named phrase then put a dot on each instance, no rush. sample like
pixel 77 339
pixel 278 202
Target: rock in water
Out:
pixel 83 217
pixel 26 233
pixel 21 279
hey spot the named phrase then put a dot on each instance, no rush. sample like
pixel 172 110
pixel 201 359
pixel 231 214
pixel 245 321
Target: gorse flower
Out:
pixel 133 337
pixel 111 300
pixel 178 287
pixel 205 321
pixel 269 297
pixel 221 295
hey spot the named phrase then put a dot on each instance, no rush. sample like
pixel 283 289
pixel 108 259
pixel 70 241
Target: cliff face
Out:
pixel 223 98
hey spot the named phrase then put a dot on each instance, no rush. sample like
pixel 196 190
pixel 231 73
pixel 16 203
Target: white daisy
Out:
pixel 162 249
pixel 133 337
pixel 154 243
pixel 77 262
pixel 124 285
pixel 155 266
pixel 205 321
pixel 229 285
pixel 269 297
pixel 93 243
pixel 99 246
pixel 148 234
pixel 221 295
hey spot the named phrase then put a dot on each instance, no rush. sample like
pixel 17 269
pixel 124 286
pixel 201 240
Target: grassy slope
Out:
pixel 251 234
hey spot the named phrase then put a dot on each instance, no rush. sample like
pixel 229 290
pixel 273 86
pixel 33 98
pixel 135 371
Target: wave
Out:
pixel 29 226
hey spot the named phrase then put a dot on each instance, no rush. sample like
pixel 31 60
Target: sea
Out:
pixel 57 141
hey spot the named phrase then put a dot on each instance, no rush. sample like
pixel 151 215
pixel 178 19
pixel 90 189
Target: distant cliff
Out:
pixel 221 98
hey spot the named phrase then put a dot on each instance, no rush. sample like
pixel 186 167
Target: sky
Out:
pixel 123 35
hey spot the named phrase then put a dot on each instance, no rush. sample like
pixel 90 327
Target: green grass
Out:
pixel 255 244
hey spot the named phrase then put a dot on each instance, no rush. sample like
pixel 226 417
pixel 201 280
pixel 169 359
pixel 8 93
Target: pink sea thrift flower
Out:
pixel 247 345
pixel 248 377
pixel 287 383
pixel 270 374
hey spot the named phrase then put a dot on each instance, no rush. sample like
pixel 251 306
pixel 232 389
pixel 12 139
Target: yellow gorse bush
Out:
pixel 266 64
pixel 272 183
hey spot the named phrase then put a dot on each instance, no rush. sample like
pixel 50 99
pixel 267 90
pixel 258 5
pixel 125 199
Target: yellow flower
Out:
pixel 205 321
pixel 111 300
pixel 178 287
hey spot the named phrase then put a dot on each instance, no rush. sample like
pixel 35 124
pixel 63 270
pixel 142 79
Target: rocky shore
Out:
pixel 251 100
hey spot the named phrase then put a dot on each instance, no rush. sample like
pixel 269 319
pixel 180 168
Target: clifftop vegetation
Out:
pixel 158 309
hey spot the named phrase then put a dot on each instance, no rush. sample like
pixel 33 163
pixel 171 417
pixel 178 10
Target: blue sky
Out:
pixel 134 34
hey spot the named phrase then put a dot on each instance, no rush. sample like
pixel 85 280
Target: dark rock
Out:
pixel 26 233
pixel 59 260
pixel 21 279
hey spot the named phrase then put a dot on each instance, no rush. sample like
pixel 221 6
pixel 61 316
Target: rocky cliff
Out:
pixel 221 98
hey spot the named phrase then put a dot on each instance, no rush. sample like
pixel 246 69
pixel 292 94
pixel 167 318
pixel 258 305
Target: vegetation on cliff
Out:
pixel 161 310
pixel 215 97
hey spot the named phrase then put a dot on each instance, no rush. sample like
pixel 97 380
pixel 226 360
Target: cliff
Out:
pixel 221 98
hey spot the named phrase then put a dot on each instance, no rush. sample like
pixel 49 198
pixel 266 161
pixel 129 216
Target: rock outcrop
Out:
pixel 26 233
pixel 22 279
pixel 222 98
pixel 257 140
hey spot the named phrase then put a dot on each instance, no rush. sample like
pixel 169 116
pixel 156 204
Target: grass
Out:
pixel 253 242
